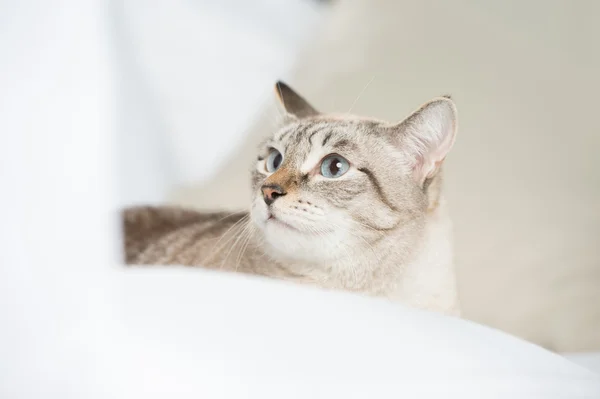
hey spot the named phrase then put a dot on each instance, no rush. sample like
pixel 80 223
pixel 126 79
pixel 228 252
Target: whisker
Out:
pixel 275 120
pixel 244 247
pixel 230 215
pixel 360 94
pixel 239 236
pixel 236 225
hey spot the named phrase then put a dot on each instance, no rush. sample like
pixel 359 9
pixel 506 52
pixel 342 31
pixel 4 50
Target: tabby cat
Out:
pixel 339 201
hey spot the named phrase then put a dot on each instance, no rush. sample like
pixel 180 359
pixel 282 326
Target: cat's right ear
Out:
pixel 293 103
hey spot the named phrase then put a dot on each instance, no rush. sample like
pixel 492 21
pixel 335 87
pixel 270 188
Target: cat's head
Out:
pixel 326 186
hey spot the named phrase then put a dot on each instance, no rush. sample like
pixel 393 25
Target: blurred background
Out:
pixel 190 84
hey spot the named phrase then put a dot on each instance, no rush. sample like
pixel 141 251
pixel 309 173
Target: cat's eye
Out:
pixel 274 160
pixel 334 166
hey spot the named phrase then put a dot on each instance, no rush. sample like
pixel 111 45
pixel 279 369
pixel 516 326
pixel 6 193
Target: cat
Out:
pixel 339 201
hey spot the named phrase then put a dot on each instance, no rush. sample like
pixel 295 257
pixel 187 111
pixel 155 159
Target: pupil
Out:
pixel 276 161
pixel 335 167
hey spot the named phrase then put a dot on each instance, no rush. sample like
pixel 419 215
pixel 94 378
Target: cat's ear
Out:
pixel 294 104
pixel 427 136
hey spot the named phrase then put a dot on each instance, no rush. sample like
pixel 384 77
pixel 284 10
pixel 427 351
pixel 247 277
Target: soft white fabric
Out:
pixel 222 335
pixel 589 360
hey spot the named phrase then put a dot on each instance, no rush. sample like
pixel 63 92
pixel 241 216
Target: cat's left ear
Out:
pixel 293 103
pixel 427 136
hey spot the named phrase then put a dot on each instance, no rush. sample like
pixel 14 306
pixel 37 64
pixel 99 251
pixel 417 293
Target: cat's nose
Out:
pixel 271 192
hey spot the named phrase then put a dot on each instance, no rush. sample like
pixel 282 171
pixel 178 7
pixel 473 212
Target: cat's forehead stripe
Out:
pixel 307 131
pixel 287 130
pixel 316 130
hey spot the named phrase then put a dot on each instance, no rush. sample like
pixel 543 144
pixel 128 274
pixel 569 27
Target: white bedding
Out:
pixel 589 360
pixel 194 333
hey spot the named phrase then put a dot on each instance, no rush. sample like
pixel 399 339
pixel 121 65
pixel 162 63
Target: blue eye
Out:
pixel 334 166
pixel 274 160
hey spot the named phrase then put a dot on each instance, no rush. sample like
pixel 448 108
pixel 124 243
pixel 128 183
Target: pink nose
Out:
pixel 271 192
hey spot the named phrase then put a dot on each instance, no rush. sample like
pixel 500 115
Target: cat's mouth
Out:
pixel 273 219
pixel 277 221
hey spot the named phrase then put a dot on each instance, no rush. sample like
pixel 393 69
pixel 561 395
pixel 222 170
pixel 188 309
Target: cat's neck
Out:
pixel 429 280
pixel 425 280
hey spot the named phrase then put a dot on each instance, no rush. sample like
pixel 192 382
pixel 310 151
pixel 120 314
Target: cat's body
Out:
pixel 340 202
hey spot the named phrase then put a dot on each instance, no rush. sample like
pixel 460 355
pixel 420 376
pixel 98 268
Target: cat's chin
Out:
pixel 292 243
pixel 274 221
pixel 292 239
